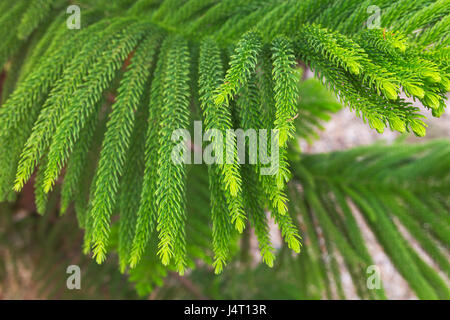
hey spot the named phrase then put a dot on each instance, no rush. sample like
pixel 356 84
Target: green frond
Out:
pixel 187 9
pixel 117 141
pixel 257 215
pixel 171 184
pixel 218 116
pixel 285 88
pixel 221 224
pixel 217 12
pixel 147 213
pixel 424 17
pixel 77 163
pixel 37 85
pixel 35 13
pixel 242 65
pixel 41 197
pixel 83 103
pixel 225 206
pixel 131 186
pixel 436 35
pixel 57 103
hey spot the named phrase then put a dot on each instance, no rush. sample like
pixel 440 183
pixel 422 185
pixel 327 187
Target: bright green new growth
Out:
pixel 242 65
pixel 116 143
pixel 285 87
pixel 171 182
pixel 218 116
pixel 223 202
pixel 99 105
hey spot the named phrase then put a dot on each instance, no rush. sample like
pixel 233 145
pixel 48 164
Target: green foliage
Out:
pixel 147 213
pixel 100 105
pixel 171 181
pixel 224 203
pixel 116 143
